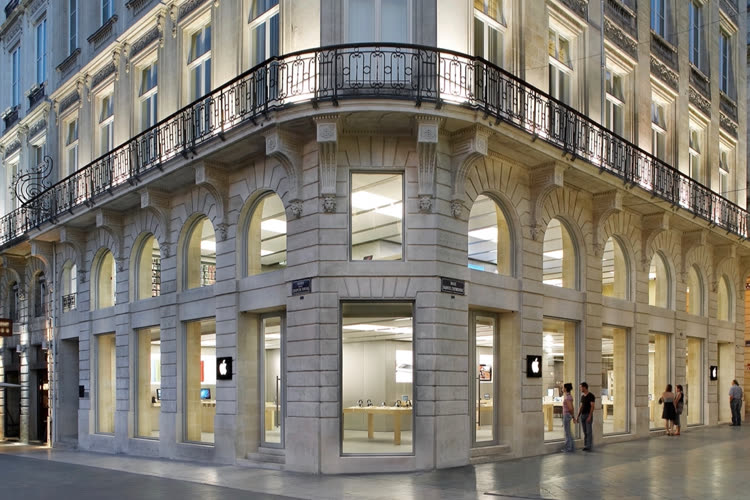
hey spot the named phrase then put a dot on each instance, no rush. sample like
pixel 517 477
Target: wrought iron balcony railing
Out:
pixel 405 72
pixel 68 302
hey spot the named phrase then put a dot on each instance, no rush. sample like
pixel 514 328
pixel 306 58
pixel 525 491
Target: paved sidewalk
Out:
pixel 703 463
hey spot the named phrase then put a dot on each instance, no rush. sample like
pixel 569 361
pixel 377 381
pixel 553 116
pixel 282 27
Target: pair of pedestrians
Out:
pixel 674 403
pixel 585 416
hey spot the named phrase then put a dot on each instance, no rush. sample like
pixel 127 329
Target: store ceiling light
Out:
pixel 554 254
pixel 208 246
pixel 363 200
pixel 485 234
pixel 274 226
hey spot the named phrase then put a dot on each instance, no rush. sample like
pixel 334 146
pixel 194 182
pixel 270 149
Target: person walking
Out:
pixel 735 403
pixel 679 406
pixel 567 415
pixel 586 416
pixel 667 413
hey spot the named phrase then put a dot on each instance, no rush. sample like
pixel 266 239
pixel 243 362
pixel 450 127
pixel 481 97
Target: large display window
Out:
pixel 377 378
pixel 489 237
pixel 272 387
pixel 200 251
pixel 105 383
pixel 559 256
pixel 377 213
pixel 148 392
pixel 485 378
pixel 658 376
pixel 200 380
pixel 659 293
pixel 266 236
pixel 614 270
pixel 559 366
pixel 693 390
pixel 614 396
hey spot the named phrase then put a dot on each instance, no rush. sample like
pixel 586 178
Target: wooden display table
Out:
pixel 485 406
pixel 270 413
pixel 371 411
pixel 549 412
pixel 606 403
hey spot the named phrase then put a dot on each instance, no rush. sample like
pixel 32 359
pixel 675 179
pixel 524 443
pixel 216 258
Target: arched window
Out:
pixel 266 236
pixel 659 293
pixel 724 300
pixel 559 261
pixel 40 293
pixel 614 270
pixel 14 307
pixel 200 251
pixel 69 286
pixel 105 281
pixel 148 269
pixel 694 292
pixel 489 238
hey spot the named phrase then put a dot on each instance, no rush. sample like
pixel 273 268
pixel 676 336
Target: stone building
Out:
pixel 368 235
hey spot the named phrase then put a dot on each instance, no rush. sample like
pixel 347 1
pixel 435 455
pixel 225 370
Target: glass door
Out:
pixel 272 381
pixel 483 379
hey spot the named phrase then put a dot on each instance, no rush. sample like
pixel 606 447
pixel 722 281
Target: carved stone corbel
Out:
pixel 544 179
pixel 161 21
pixel 209 176
pixel 468 145
pixel 327 137
pixel 173 9
pixel 116 56
pixel 651 225
pixel 605 204
pixel 286 148
pixel 428 128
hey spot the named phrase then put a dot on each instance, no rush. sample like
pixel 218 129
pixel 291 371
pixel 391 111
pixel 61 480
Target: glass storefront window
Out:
pixel 105 383
pixel 266 236
pixel 614 270
pixel 271 385
pixel 148 267
pixel 200 262
pixel 558 367
pixel 377 213
pixel 489 237
pixel 693 390
pixel 377 371
pixel 559 256
pixel 658 283
pixel 694 292
pixel 658 376
pixel 200 380
pixel 614 397
pixel 105 280
pixel 148 395
pixel 486 402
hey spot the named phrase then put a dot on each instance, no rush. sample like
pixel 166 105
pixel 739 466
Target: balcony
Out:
pixel 10 117
pixel 36 95
pixel 68 302
pixel 391 72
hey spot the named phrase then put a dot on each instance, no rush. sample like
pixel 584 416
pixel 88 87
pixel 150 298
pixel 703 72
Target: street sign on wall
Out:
pixel 6 327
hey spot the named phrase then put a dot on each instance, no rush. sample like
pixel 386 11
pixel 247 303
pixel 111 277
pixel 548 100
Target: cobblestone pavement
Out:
pixel 703 463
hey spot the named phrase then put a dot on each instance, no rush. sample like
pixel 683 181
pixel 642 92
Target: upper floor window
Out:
pixel 41 52
pixel 69 284
pixel 15 83
pixel 377 213
pixel 12 174
pixel 13 302
pixel 264 31
pixel 489 29
pixel 107 11
pixel 658 130
pixel 199 62
pixel 200 255
pixel 726 71
pixel 560 66
pixel 105 276
pixel 266 236
pixel 559 256
pixel 696 33
pixel 71 146
pixel 726 163
pixel 72 25
pixel 38 151
pixel 696 150
pixel 106 124
pixel 40 294
pixel 614 113
pixel 379 21
pixel 659 17
pixel 147 93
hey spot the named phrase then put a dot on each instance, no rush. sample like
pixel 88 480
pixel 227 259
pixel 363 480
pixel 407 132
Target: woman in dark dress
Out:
pixel 668 413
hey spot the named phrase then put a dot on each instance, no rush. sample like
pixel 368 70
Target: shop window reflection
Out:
pixel 148 366
pixel 658 376
pixel 105 383
pixel 200 380
pixel 559 256
pixel 614 394
pixel 558 368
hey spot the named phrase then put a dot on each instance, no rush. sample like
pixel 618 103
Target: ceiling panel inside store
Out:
pixel 364 329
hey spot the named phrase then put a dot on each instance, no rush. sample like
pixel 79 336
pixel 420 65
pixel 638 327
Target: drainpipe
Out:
pixel 52 350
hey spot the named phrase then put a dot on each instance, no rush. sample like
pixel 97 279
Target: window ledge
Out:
pixel 69 61
pixel 103 32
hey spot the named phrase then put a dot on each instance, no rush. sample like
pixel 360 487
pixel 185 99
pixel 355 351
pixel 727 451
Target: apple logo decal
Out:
pixel 223 367
pixel 535 365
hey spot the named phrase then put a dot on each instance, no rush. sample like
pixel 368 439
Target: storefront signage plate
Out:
pixel 454 287
pixel 533 366
pixel 224 368
pixel 6 327
pixel 301 287
pixel 713 372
